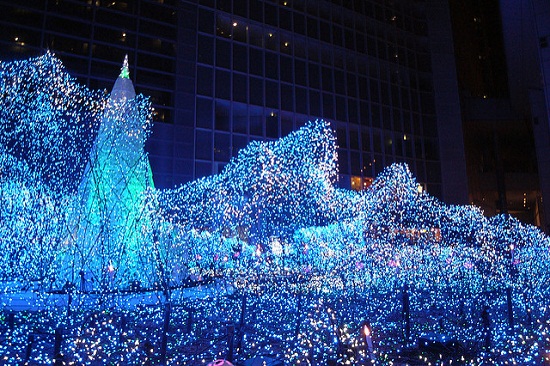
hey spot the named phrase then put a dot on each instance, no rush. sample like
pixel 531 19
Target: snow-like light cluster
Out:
pixel 270 244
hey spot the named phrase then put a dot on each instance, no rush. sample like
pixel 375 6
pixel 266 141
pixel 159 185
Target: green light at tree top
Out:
pixel 124 71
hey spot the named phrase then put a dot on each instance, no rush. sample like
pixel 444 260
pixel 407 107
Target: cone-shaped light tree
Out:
pixel 111 238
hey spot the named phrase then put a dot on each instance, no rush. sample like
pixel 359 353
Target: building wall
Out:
pixel 224 73
pixel 447 105
pixel 526 36
pixel 497 64
pixel 540 102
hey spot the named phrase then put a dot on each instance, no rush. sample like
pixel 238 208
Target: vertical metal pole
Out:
pixel 189 320
pixel 298 313
pixel 510 308
pixel 58 357
pixel 241 322
pixel 243 311
pixel 486 327
pixel 165 329
pixel 230 337
pixel 30 341
pixel 407 312
pixel 69 301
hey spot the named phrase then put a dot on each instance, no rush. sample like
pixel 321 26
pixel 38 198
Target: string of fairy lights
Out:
pixel 306 272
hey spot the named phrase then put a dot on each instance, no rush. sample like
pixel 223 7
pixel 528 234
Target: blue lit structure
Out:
pixel 271 228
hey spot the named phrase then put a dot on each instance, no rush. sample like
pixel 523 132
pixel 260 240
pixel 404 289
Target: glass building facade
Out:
pixel 222 73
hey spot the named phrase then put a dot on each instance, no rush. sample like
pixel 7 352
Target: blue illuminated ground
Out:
pixel 268 261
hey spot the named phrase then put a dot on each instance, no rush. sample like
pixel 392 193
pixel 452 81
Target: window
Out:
pixel 255 36
pixel 374 96
pixel 300 49
pixel 205 50
pixel 56 42
pixel 286 45
pixel 272 65
pixel 272 40
pixel 341 114
pixel 224 26
pixel 240 8
pixel 286 124
pixel 337 35
pixel 256 121
pixel 203 145
pixel 299 24
pixel 352 85
pixel 314 78
pixel 202 169
pixel 343 161
pixel 360 42
pixel 352 111
pixel 355 162
pixel 256 10
pixel 314 104
pixel 83 11
pixel 157 30
pixel 312 28
pixel 223 54
pixel 301 100
pixel 325 32
pixel 378 164
pixel 240 118
pixel 272 125
pixel 340 82
pixel 368 165
pixel 285 19
pixel 327 79
pixel 270 13
pixel 341 138
pixel 222 115
pixel 151 10
pixel 300 72
pixel 256 89
pixel 240 91
pixel 287 69
pixel 204 113
pixel 272 94
pixel 256 61
pixel 204 81
pixel 239 143
pixel 77 28
pixel 287 98
pixel 313 52
pixel 240 58
pixel 222 147
pixel 376 139
pixel 240 32
pixel 349 39
pixel 328 106
pixel 364 111
pixel 365 141
pixel 223 84
pixel 386 118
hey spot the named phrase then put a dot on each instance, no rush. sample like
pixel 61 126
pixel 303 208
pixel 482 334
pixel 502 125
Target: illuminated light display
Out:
pixel 302 272
pixel 110 236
